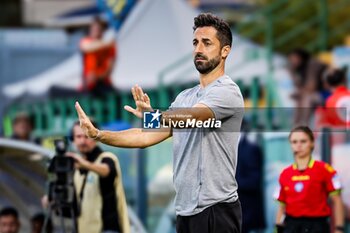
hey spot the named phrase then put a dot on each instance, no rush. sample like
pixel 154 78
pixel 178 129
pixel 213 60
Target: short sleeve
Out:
pixel 332 179
pixel 225 100
pixel 178 99
pixel 111 165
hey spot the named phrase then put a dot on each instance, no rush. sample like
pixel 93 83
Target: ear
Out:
pixel 312 146
pixel 225 51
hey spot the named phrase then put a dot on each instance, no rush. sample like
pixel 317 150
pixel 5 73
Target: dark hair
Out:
pixel 77 123
pixel 40 218
pixel 99 21
pixel 301 53
pixel 304 129
pixel 223 29
pixel 336 77
pixel 22 116
pixel 9 211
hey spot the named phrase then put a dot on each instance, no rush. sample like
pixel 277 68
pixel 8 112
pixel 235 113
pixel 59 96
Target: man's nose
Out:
pixel 198 48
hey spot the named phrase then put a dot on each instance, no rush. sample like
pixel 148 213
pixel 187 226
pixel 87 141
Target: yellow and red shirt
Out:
pixel 305 193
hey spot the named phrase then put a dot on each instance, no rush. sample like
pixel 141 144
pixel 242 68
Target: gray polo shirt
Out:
pixel 205 161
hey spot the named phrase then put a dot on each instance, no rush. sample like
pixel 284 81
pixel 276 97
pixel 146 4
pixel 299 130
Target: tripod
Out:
pixel 62 198
pixel 61 209
pixel 63 204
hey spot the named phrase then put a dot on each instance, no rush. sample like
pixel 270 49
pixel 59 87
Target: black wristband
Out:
pixel 340 228
pixel 279 228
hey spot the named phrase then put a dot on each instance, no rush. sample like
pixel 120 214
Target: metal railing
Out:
pixel 55 116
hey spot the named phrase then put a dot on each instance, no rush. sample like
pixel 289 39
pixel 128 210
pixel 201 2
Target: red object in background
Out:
pixel 97 63
pixel 338 107
pixel 336 113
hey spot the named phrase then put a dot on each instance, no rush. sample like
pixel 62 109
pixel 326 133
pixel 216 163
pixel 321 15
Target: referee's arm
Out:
pixel 280 214
pixel 338 210
pixel 279 225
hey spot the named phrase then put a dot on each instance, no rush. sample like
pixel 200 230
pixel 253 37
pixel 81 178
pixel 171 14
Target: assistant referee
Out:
pixel 304 190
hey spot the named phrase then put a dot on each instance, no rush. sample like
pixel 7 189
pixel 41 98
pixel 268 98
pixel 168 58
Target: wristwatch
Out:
pixel 340 228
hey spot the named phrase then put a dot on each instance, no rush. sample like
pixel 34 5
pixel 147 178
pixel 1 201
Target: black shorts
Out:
pixel 219 218
pixel 309 225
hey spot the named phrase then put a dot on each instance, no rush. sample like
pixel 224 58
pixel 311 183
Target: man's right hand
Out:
pixel 142 102
pixel 85 122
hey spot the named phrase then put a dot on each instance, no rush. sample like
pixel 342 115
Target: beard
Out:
pixel 205 67
pixel 83 148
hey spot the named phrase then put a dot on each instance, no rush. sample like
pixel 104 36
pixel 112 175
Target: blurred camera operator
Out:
pixel 98 185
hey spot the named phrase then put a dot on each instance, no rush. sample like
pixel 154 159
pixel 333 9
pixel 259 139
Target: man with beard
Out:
pixel 204 159
pixel 99 187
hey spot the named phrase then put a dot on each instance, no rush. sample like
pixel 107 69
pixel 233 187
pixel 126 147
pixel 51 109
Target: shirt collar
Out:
pixel 92 155
pixel 213 82
pixel 310 165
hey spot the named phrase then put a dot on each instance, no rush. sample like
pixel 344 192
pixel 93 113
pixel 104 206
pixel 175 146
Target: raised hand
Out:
pixel 142 102
pixel 85 123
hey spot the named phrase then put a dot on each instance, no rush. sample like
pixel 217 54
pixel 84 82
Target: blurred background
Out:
pixel 284 54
